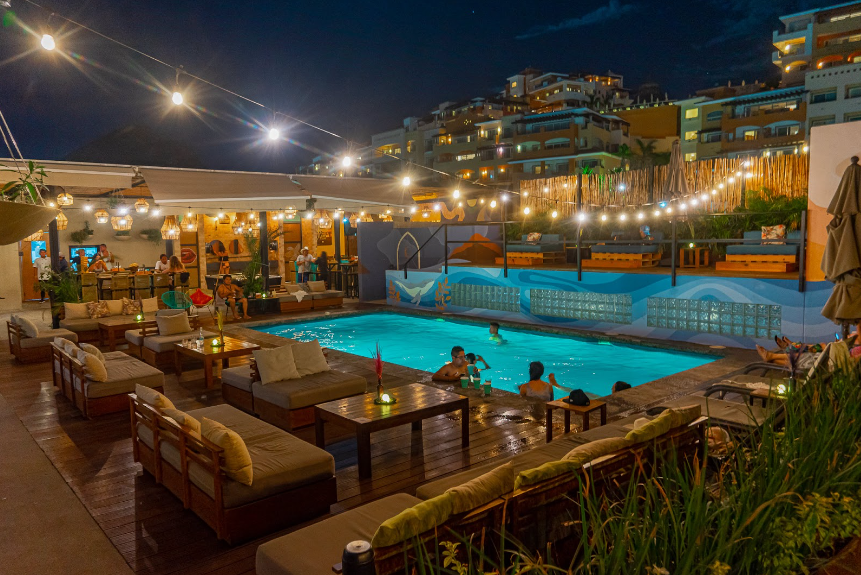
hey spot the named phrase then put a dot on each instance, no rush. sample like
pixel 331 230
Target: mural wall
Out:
pixel 734 312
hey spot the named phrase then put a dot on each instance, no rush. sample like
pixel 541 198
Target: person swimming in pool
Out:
pixel 494 333
pixel 452 370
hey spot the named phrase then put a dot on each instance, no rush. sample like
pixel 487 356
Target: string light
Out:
pixel 581 216
pixel 347 161
pixel 525 194
pixel 177 99
pixel 554 214
pixel 413 210
pixel 657 212
pixel 48 42
pixel 492 203
pixel 526 210
pixel 546 189
pixel 641 215
pixel 623 217
pixel 504 197
pixel 669 210
pixel 406 181
pixel 603 217
pixel 436 207
pixel 456 194
pixel 274 134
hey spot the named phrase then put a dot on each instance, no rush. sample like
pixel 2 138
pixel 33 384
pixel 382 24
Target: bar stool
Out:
pixel 89 287
pixel 160 283
pixel 105 286
pixel 120 285
pixel 142 286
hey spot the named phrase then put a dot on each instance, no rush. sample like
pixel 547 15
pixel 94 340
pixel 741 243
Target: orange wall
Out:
pixel 660 122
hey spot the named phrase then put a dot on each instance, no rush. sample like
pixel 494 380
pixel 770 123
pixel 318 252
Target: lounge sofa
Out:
pixel 287 403
pixel 155 339
pixel 289 481
pixel 314 295
pixel 95 394
pixel 76 318
pixel 634 255
pixel 30 344
pixel 760 255
pixel 535 504
pixel 549 249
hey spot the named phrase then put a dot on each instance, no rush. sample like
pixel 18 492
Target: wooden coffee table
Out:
pixel 109 327
pixel 415 403
pixel 568 409
pixel 209 355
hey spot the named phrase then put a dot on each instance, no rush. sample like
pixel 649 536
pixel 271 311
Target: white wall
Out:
pixel 135 250
pixel 10 283
pixel 837 78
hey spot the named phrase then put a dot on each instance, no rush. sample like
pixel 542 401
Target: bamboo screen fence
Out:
pixel 785 175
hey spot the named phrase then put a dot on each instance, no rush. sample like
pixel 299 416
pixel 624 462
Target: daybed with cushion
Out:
pixel 98 383
pixel 288 300
pixel 282 385
pixel 156 339
pixel 28 343
pixel 83 318
pixel 307 296
pixel 646 254
pixel 243 477
pixel 537 503
pixel 762 255
pixel 535 249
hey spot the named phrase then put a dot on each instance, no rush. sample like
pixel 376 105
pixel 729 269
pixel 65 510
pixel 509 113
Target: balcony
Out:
pixel 762 118
pixel 763 140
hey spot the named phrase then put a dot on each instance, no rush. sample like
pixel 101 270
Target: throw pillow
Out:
pixel 309 358
pixel 97 309
pixel 29 328
pixel 413 521
pixel 152 397
pixel 173 324
pixel 115 306
pixel 774 234
pixel 200 298
pixel 275 364
pixel 483 489
pixel 658 426
pixel 237 460
pixel 533 238
pixel 292 288
pixel 317 287
pixel 62 342
pixel 182 418
pixel 149 305
pixel 131 306
pixel 544 472
pixel 93 368
pixel 93 350
pixel 76 311
pixel 70 348
pixel 587 452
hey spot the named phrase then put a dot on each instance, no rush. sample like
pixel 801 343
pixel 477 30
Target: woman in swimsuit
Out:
pixel 535 387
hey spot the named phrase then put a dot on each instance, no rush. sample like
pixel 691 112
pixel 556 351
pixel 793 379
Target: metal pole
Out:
pixel 339 224
pixel 504 243
pixel 445 246
pixel 579 261
pixel 264 249
pixel 802 252
pixel 54 249
pixel 673 254
pixel 579 191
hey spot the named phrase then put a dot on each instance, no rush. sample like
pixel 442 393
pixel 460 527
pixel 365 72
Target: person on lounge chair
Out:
pixel 452 371
pixel 536 387
pixel 231 294
pixel 805 360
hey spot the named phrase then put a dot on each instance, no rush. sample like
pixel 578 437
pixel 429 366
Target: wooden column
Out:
pixel 54 250
pixel 264 249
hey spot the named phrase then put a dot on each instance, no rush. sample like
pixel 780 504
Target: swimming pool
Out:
pixel 425 343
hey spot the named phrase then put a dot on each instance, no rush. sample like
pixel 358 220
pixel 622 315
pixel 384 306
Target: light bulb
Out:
pixel 362 213
pixel 123 211
pixel 621 187
pixel 641 215
pixel 492 203
pixel 456 194
pixel 48 42
pixel 581 216
pixel 176 99
pixel 388 211
pixel 683 206
pixel 526 210
pixel 347 161
pixel 603 217
pixel 220 215
pixel 406 181
pixel 189 214
pixel 274 134
pixel 481 201
pixel 525 194
pixel 413 210
pixel 51 204
pixel 309 215
pixel 714 192
pixel 731 180
pixel 156 211
pixel 738 174
pixel 425 215
pixel 623 217
pixel 805 148
pixel 657 212
pixel 691 245
pixel 122 221
pixel 669 210
pixel 88 207
pixel 546 189
pixel 720 186
pixel 694 202
pixel 554 214
pixel 504 197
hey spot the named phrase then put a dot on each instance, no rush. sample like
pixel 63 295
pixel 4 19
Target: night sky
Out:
pixel 351 67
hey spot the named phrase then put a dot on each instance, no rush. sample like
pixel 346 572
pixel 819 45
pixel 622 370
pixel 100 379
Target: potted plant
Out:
pixel 62 288
pixel 152 235
pixel 123 235
pixel 82 235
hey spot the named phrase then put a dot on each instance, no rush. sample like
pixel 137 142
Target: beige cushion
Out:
pixel 585 453
pixel 29 328
pixel 93 350
pixel 317 286
pixel 70 348
pixel 62 340
pixel 76 311
pixel 669 419
pixel 309 390
pixel 289 555
pixel 293 288
pixel 413 521
pixel 152 397
pixel 115 306
pixel 483 489
pixel 275 364
pixel 173 324
pixel 94 368
pixel 97 309
pixel 124 377
pixel 238 377
pixel 237 460
pixel 309 358
pixel 46 336
pixel 150 304
pixel 182 418
pixel 134 337
pixel 79 325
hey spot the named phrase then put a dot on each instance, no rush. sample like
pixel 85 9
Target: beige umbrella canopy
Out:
pixel 22 219
pixel 841 261
pixel 676 184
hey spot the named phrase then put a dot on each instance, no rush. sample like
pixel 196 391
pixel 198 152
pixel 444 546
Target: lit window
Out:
pixel 514 84
pixel 750 135
pixel 690 136
pixel 690 157
pixel 692 113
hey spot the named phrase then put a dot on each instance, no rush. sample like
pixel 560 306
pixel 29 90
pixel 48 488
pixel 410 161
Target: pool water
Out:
pixel 425 343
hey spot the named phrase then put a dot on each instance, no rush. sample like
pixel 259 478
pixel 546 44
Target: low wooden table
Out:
pixel 693 257
pixel 415 403
pixel 567 408
pixel 209 355
pixel 109 326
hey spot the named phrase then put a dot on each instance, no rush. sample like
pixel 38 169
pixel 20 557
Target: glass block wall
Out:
pixel 486 297
pixel 614 308
pixel 720 317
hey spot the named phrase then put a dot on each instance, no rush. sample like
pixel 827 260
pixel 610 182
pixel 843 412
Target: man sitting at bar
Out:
pixel 162 264
pixel 231 293
pixel 453 370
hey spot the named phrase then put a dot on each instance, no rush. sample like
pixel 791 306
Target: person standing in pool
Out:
pixel 453 370
pixel 494 333
pixel 538 388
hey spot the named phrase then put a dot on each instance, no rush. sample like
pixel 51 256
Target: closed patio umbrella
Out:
pixel 841 261
pixel 676 185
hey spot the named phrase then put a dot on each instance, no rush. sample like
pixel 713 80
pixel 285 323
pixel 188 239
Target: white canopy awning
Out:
pixel 76 174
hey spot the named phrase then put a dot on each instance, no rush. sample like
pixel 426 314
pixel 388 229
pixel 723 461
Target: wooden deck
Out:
pixel 148 525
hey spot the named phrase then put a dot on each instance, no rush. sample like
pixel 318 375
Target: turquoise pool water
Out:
pixel 425 343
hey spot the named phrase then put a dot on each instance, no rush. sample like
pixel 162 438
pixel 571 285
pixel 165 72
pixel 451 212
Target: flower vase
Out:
pixel 380 389
pixel 220 338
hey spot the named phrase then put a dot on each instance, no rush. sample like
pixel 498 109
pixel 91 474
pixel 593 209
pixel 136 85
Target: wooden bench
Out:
pixel 611 260
pixel 533 258
pixel 758 263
